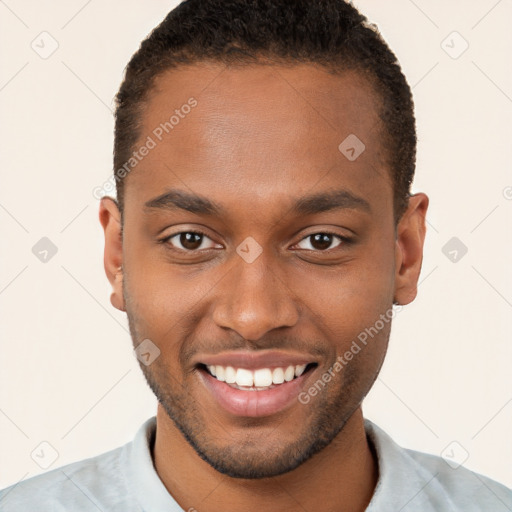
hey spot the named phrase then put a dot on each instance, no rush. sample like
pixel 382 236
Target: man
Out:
pixel 264 151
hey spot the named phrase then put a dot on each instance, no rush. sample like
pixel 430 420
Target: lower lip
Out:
pixel 254 403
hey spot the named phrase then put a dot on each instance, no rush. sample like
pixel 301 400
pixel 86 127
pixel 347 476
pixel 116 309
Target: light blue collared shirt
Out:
pixel 125 480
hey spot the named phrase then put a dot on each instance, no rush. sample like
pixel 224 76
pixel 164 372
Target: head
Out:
pixel 269 211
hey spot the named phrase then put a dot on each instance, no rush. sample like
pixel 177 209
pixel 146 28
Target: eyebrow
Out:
pixel 308 205
pixel 325 201
pixel 178 199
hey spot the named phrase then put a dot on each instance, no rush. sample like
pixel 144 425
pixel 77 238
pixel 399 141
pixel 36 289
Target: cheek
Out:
pixel 163 300
pixel 345 301
pixel 148 292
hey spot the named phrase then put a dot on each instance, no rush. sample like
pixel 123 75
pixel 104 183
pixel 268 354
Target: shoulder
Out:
pixel 91 484
pixel 468 490
pixel 411 480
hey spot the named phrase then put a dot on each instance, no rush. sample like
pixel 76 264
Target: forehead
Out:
pixel 257 125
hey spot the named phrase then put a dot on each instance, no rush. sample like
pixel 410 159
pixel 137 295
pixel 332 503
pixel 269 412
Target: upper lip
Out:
pixel 252 360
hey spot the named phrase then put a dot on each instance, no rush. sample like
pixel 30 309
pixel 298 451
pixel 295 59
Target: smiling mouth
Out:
pixel 260 379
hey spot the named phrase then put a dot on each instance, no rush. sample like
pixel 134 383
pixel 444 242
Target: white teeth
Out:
pixel 263 377
pixel 219 373
pixel 299 370
pixel 230 375
pixel 289 373
pixel 244 377
pixel 278 376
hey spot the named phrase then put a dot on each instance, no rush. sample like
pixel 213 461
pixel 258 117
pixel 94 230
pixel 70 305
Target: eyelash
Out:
pixel 165 240
pixel 343 241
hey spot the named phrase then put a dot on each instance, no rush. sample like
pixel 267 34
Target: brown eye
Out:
pixel 320 241
pixel 189 241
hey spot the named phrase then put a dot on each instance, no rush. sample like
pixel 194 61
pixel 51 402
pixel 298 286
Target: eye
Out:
pixel 189 241
pixel 321 241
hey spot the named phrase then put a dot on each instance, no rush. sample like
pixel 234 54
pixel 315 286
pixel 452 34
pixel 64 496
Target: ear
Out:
pixel 409 249
pixel 110 219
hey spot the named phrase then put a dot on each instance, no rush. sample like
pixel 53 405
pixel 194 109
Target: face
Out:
pixel 251 241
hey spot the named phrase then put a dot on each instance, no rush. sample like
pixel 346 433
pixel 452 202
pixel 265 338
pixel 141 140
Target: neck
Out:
pixel 345 472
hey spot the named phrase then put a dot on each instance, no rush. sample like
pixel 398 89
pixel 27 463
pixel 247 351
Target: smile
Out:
pixel 254 387
pixel 259 379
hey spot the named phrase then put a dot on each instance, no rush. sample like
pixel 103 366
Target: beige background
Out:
pixel 68 376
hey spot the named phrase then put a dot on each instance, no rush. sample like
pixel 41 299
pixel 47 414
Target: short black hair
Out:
pixel 331 33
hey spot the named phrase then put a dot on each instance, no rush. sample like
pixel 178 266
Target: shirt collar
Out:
pixel 403 484
pixel 141 475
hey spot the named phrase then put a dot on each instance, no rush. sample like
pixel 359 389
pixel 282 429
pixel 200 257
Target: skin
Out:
pixel 261 138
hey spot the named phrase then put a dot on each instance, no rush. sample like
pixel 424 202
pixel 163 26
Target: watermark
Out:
pixel 151 142
pixel 344 359
pixel 352 147
pixel 146 352
pixel 44 250
pixel 455 454
pixel 44 455
pixel 45 45
pixel 249 249
pixel 454 45
pixel 454 249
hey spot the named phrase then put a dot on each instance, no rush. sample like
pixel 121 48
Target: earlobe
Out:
pixel 110 219
pixel 116 298
pixel 409 249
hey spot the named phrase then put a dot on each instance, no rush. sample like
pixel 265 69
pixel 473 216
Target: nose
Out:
pixel 253 299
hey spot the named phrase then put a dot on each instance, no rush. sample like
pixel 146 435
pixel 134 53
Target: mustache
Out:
pixel 315 347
